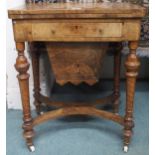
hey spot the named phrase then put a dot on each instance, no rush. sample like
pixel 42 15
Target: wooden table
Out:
pixel 75 22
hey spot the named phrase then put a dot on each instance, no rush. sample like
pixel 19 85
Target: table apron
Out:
pixel 76 30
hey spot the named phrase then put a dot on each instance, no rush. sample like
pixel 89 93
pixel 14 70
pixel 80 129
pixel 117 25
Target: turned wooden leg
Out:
pixel 132 65
pixel 22 67
pixel 36 77
pixel 117 63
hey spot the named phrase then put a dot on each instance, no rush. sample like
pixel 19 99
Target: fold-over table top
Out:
pixel 112 10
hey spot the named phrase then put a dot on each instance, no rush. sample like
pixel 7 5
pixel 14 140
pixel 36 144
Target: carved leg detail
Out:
pixel 132 65
pixel 117 63
pixel 36 77
pixel 22 67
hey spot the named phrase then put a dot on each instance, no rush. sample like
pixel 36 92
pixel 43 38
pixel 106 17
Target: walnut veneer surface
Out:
pixel 78 23
pixel 107 9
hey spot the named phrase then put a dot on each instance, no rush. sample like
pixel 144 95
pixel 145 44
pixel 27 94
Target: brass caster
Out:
pixel 41 112
pixel 116 113
pixel 125 149
pixel 32 148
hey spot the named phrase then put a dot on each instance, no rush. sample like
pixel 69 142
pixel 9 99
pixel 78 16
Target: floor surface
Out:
pixel 83 135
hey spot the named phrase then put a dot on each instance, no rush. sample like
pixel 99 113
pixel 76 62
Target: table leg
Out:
pixel 22 67
pixel 132 65
pixel 117 63
pixel 36 77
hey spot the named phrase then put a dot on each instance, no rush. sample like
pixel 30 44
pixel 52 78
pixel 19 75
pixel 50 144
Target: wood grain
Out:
pixel 76 62
pixel 35 53
pixel 77 30
pixel 132 65
pixel 48 101
pixel 60 24
pixel 22 66
pixel 107 10
pixel 117 63
pixel 76 110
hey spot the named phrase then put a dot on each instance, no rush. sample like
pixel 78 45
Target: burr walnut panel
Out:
pixel 76 62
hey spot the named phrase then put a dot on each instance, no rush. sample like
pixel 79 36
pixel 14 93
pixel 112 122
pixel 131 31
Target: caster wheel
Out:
pixel 125 149
pixel 32 148
pixel 41 112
